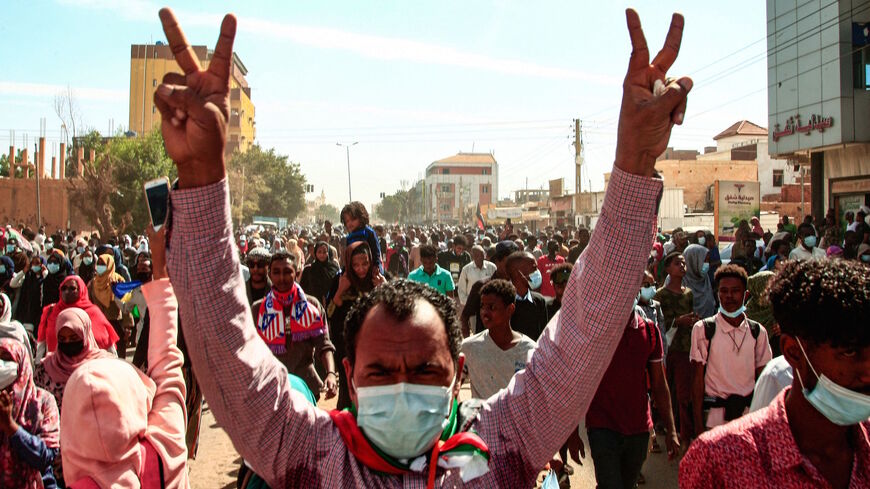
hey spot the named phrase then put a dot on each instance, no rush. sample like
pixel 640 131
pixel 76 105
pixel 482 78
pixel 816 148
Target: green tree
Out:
pixel 138 160
pixel 92 193
pixel 264 182
pixel 92 140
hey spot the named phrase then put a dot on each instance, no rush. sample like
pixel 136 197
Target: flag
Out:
pixel 481 224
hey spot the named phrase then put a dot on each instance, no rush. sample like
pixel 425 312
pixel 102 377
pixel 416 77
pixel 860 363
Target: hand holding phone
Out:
pixel 157 195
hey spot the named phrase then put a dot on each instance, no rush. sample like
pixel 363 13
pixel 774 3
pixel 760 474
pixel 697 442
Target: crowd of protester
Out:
pixel 749 360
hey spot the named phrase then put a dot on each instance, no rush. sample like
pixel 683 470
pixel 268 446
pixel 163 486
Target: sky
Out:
pixel 411 82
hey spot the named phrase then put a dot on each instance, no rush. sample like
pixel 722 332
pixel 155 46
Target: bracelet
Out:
pixel 333 373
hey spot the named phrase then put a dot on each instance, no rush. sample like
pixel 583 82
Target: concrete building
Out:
pixel 745 141
pixel 149 63
pixel 455 185
pixel 818 60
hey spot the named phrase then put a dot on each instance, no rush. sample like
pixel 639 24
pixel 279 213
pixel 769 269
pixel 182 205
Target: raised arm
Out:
pixel 246 387
pixel 579 341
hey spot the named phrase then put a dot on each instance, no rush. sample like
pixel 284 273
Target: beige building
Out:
pixel 149 63
pixel 456 184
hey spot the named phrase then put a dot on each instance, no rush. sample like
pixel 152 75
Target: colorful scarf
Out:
pixel 455 449
pixel 279 308
pixel 35 411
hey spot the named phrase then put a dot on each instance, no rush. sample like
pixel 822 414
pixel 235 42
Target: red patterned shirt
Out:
pixel 758 450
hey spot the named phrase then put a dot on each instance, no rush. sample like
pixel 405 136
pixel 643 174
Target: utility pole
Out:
pixel 347 147
pixel 578 156
pixel 242 206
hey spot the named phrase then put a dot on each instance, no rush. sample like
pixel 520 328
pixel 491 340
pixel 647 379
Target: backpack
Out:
pixel 734 404
pixel 710 330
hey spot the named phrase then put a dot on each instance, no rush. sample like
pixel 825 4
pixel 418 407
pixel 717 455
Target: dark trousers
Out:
pixel 617 458
pixel 121 345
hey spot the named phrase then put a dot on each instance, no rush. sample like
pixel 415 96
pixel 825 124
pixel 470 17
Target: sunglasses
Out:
pixel 258 264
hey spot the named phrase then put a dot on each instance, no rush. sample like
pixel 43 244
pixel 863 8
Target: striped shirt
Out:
pixel 291 443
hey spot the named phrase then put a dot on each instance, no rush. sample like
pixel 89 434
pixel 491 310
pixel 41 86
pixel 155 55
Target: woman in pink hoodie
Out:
pixel 118 425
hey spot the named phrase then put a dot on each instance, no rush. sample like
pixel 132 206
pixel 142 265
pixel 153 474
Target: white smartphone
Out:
pixel 157 195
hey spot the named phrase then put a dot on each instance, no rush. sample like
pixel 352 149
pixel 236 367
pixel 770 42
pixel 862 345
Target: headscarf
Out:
pixel 87 272
pixel 103 282
pixel 10 269
pixel 660 250
pixel 362 285
pixel 52 281
pixel 58 366
pixel 105 410
pixel 35 410
pixel 756 226
pixel 698 282
pixel 103 331
pixel 771 262
pixel 12 329
pixel 30 296
pixel 317 277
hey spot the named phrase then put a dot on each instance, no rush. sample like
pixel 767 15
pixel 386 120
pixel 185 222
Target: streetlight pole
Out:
pixel 347 147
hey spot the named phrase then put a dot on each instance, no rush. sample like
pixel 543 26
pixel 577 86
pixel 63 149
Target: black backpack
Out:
pixel 710 330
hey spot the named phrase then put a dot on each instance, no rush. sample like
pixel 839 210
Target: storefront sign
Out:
pixel 735 201
pixel 793 126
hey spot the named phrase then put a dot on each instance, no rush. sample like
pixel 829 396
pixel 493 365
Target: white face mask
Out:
pixel 8 373
pixel 842 406
pixel 404 420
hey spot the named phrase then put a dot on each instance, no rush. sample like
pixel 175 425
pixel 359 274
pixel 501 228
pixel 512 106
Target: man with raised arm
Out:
pixel 405 428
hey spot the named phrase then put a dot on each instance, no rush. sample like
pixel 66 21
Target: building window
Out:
pixel 485 171
pixel 445 207
pixel 778 176
pixel 154 82
pixel 445 171
pixel 445 188
pixel 484 189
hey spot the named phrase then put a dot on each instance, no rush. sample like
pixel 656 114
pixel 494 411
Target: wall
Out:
pixel 694 177
pixel 18 204
pixel 845 162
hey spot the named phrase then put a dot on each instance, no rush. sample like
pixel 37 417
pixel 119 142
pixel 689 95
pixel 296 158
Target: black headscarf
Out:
pixel 30 302
pixel 51 284
pixel 317 277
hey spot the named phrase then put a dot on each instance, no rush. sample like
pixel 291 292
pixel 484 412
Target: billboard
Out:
pixel 733 202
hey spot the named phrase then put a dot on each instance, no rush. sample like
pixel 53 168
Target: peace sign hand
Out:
pixel 195 107
pixel 651 103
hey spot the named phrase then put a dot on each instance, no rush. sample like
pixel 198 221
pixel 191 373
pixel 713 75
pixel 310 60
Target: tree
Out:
pixel 265 182
pixel 92 140
pixel 326 211
pixel 92 194
pixel 67 109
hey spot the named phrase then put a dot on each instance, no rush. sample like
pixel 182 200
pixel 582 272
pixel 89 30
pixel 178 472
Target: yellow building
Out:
pixel 149 63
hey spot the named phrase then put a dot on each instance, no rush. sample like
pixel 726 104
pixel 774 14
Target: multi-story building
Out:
pixel 149 63
pixel 818 78
pixel 455 185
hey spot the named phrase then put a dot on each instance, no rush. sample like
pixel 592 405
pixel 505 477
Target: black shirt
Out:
pixel 530 318
pixel 453 263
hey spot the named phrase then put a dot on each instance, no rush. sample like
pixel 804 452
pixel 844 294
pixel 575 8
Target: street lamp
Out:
pixel 347 147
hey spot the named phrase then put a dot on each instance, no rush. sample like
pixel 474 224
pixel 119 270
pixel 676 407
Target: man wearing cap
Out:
pixel 472 304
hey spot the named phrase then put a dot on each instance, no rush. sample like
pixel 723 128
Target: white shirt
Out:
pixel 776 376
pixel 800 253
pixel 469 275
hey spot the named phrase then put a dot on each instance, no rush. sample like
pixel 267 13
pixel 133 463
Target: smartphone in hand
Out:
pixel 157 196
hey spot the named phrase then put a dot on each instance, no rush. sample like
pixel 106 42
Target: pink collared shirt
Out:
pixel 759 450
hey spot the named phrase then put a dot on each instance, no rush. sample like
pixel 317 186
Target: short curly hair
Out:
pixel 356 210
pixel 502 289
pixel 400 298
pixel 733 271
pixel 824 301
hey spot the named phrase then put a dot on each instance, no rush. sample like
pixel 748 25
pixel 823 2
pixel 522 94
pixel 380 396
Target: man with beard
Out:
pixel 257 285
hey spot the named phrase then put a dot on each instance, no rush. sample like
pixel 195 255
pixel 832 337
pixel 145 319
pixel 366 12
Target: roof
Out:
pixel 460 159
pixel 742 128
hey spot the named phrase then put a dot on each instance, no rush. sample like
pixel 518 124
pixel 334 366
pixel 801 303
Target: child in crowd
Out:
pixel 494 355
pixel 355 218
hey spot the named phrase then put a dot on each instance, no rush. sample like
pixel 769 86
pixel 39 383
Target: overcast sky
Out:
pixel 413 82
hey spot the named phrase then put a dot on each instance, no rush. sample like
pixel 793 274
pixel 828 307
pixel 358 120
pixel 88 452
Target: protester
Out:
pixel 403 338
pixel 455 260
pixel 478 269
pixel 806 248
pixel 559 276
pixel 530 316
pixel 776 376
pixel 355 218
pixel 679 316
pixel 728 353
pixel 28 423
pixel 100 288
pixel 546 263
pixel 431 273
pixel 472 305
pixel 318 276
pixel 355 281
pixel 649 307
pixel 58 268
pixel 74 294
pixel 494 355
pixel 619 421
pixel 294 328
pixel 143 444
pixel 10 328
pixel 30 285
pixel 696 278
pixel 758 308
pixel 814 433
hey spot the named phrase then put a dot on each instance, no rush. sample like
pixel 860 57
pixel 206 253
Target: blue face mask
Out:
pixel 10 248
pixel 49 246
pixel 535 280
pixel 702 241
pixel 87 261
pixel 403 420
pixel 705 268
pixel 842 406
pixel 101 269
pixel 647 293
pixel 80 249
pixel 810 242
pixel 2 268
pixel 36 268
pixel 865 258
pixel 53 268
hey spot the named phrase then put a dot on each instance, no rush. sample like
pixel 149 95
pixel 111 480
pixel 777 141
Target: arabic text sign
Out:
pixel 793 126
pixel 735 201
